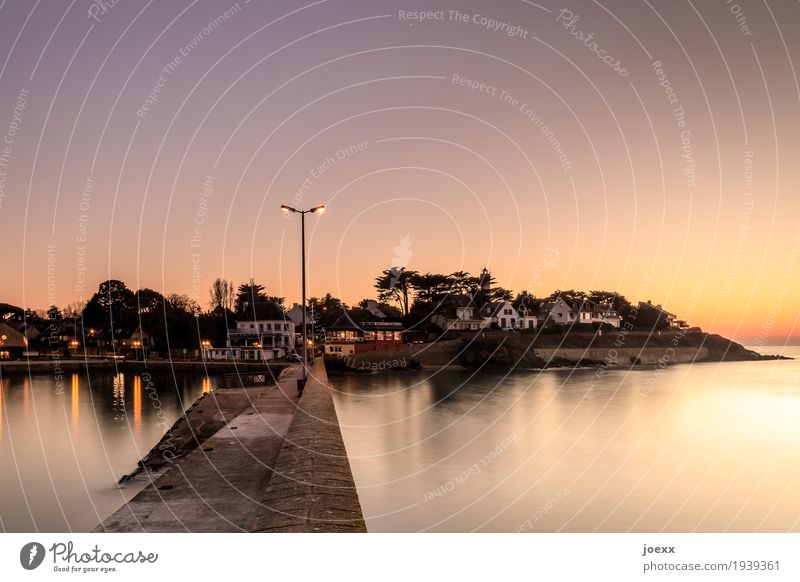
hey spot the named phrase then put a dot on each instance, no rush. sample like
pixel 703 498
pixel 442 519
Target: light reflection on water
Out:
pixel 711 447
pixel 63 446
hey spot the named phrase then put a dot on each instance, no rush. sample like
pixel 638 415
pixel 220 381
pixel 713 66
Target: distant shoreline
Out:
pixel 515 351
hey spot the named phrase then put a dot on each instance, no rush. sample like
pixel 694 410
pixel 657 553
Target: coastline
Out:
pixel 502 350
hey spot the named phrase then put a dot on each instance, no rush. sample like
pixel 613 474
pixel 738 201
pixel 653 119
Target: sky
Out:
pixel 648 148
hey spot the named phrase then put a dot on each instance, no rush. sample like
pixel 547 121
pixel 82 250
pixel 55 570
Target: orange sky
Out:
pixel 526 153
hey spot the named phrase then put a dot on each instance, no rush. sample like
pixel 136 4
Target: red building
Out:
pixel 363 330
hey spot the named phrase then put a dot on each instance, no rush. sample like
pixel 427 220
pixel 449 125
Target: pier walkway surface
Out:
pixel 276 464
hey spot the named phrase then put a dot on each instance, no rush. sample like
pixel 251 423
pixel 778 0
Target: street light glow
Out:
pixel 320 209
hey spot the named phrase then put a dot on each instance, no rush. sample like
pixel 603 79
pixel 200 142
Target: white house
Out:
pixel 295 315
pixel 458 312
pixel 567 312
pixel 606 314
pixel 557 312
pixel 501 313
pixel 528 319
pixel 262 333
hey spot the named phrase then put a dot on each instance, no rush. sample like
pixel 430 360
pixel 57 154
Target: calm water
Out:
pixel 63 447
pixel 706 447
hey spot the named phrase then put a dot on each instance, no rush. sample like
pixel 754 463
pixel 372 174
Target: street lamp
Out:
pixel 302 214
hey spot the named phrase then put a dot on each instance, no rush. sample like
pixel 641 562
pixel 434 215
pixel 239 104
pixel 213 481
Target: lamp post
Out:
pixel 302 214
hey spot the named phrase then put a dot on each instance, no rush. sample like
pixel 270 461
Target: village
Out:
pixel 247 325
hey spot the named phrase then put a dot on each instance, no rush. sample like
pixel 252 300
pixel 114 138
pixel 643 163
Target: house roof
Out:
pixel 581 306
pixel 11 338
pixel 27 329
pixel 448 306
pixel 120 333
pixel 604 310
pixel 648 305
pixel 458 301
pixel 263 311
pixel 493 309
pixel 363 319
pixel 548 307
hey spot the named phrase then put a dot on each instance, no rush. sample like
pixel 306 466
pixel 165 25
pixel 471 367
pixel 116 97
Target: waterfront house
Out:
pixel 580 312
pixel 558 312
pixel 363 330
pixel 605 314
pixel 528 318
pixel 500 315
pixel 458 313
pixel 131 342
pixel 656 317
pixel 262 333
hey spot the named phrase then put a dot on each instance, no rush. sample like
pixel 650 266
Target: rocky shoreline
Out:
pixel 543 351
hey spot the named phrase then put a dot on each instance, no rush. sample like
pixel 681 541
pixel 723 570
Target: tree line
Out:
pixel 177 320
pixel 417 294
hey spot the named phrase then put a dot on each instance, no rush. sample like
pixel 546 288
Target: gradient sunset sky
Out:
pixel 154 142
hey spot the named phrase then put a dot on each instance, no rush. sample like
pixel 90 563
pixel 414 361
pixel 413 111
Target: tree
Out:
pixel 276 300
pixel 248 295
pixel 183 304
pixel 568 295
pixel 499 294
pixel 53 313
pixel 525 300
pixel 73 310
pixel 618 302
pixel 431 287
pixel 326 303
pixel 222 294
pixel 113 303
pixel 326 309
pixel 386 309
pixel 148 301
pixel 396 284
pixel 462 283
pixel 487 291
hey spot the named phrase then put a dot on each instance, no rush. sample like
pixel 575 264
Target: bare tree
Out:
pixel 222 294
pixel 74 309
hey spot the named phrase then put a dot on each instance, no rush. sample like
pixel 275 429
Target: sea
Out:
pixel 707 447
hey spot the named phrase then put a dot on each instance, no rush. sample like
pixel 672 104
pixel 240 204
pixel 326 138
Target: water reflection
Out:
pixel 75 397
pixel 137 401
pixel 707 447
pixel 118 405
pixel 2 408
pixel 207 385
pixel 66 449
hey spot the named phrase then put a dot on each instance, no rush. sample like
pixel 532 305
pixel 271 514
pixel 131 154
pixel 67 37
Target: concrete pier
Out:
pixel 253 473
pixel 312 487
